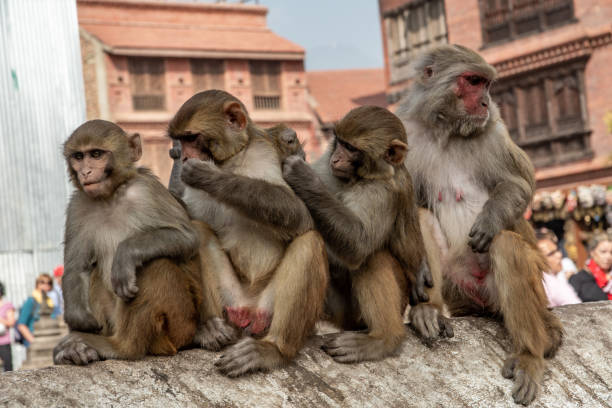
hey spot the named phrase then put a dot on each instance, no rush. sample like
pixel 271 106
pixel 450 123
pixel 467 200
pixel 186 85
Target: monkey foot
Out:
pixel 215 334
pixel 249 355
pixel 72 350
pixel 260 321
pixel 352 347
pixel 526 370
pixel 430 323
pixel 239 316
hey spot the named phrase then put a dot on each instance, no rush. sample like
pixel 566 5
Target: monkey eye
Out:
pixel 347 146
pixel 475 80
pixel 189 137
pixel 96 153
pixel 77 156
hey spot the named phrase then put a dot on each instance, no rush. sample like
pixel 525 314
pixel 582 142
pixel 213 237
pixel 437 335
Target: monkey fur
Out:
pixel 270 285
pixel 360 197
pixel 131 282
pixel 477 183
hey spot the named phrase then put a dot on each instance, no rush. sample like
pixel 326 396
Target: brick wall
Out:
pixel 88 56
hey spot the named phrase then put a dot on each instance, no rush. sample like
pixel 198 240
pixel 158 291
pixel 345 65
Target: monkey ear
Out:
pixel 135 147
pixel 235 115
pixel 396 152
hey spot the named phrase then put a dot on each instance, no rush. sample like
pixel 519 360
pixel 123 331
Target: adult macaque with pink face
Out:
pixel 477 183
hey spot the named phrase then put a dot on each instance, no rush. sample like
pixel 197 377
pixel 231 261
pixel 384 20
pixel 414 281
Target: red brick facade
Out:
pixel 115 32
pixel 584 41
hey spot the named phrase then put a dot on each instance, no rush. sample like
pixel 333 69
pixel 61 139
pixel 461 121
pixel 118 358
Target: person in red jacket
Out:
pixel 595 281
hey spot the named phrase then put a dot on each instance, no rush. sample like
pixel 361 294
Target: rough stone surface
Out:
pixel 460 372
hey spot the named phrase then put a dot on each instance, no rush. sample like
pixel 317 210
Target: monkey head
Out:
pixel 211 125
pixel 100 156
pixel 453 82
pixel 370 142
pixel 286 141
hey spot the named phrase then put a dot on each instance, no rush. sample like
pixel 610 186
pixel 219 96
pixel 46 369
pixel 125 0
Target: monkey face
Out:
pixel 473 90
pixel 92 167
pixel 345 160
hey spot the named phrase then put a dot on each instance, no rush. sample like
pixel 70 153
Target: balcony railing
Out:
pixel 266 102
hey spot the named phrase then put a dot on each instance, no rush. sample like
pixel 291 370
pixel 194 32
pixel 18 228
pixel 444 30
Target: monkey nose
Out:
pixel 484 104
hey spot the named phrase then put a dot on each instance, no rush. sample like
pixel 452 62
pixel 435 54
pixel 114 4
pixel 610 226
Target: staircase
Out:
pixel 47 333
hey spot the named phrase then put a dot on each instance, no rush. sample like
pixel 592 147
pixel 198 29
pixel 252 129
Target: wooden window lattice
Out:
pixel 148 84
pixel 265 81
pixel 207 74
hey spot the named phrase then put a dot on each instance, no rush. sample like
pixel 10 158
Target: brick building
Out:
pixel 143 58
pixel 334 93
pixel 553 57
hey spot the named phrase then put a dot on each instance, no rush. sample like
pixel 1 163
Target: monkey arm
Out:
pixel 507 201
pixel 172 242
pixel 258 199
pixel 353 234
pixel 75 282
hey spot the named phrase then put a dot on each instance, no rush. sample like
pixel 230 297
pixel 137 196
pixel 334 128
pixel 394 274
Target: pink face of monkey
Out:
pixel 473 89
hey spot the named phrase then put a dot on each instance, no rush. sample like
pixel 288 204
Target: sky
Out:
pixel 336 34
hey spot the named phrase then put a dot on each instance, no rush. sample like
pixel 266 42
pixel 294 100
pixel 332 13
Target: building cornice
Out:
pixel 225 54
pixel 578 48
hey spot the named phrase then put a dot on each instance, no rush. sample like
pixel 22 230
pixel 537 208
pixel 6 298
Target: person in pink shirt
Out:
pixel 558 291
pixel 7 320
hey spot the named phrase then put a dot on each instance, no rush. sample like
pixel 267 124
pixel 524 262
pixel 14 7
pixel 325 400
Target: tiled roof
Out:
pixel 125 37
pixel 337 92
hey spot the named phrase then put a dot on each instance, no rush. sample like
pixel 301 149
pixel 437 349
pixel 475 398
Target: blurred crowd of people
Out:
pixel 564 283
pixel 45 299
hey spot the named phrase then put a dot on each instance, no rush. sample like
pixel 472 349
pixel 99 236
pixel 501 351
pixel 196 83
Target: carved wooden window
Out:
pixel 504 20
pixel 207 74
pixel 410 29
pixel 265 80
pixel 147 83
pixel 545 113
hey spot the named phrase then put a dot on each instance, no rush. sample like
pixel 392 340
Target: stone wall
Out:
pixel 461 372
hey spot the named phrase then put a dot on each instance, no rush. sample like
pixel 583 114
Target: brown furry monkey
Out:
pixel 478 183
pixel 131 282
pixel 271 284
pixel 360 197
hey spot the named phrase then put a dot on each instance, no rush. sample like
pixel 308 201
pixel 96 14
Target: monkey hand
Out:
pixel 430 323
pixel 73 350
pixel 215 334
pixel 299 175
pixel 483 231
pixel 198 173
pixel 79 319
pixel 123 274
pixel 423 279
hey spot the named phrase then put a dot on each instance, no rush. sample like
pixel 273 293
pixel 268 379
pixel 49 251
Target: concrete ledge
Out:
pixel 460 372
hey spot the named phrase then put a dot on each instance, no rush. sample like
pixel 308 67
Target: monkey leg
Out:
pixel 218 276
pixel 517 271
pixel 161 319
pixel 299 284
pixel 430 318
pixel 377 293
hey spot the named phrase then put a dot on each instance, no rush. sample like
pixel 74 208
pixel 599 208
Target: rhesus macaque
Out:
pixel 271 285
pixel 132 283
pixel 477 184
pixel 360 196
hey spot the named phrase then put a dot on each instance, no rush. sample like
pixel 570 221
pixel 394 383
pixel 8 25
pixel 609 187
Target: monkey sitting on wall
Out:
pixel 132 283
pixel 271 284
pixel 478 183
pixel 360 197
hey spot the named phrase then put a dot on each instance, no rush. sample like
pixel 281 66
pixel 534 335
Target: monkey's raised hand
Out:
pixel 483 231
pixel 199 173
pixel 297 173
pixel 123 273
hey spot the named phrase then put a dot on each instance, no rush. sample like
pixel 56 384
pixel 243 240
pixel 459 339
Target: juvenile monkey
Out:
pixel 477 184
pixel 360 196
pixel 271 284
pixel 131 282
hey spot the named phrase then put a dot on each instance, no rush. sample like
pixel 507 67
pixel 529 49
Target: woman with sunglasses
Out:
pixel 32 308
